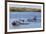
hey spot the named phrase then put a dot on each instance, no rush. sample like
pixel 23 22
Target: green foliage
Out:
pixel 13 9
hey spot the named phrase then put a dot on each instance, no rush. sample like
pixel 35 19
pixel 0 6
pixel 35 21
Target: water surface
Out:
pixel 24 16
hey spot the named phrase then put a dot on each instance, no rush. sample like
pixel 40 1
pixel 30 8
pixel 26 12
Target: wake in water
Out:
pixel 24 22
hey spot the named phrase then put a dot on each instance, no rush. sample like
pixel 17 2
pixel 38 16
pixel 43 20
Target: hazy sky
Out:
pixel 26 6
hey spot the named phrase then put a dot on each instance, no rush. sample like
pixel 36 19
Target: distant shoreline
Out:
pixel 23 11
pixel 13 9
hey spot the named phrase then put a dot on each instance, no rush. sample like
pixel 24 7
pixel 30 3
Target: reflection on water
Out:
pixel 24 20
